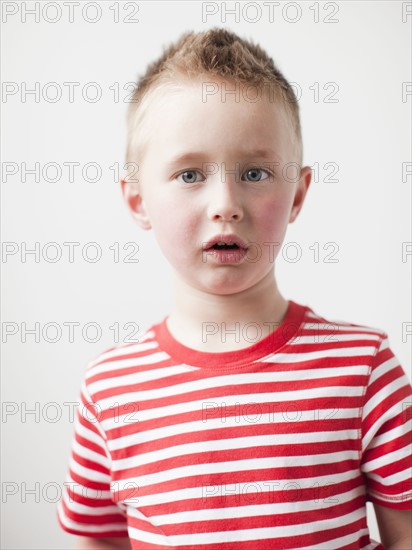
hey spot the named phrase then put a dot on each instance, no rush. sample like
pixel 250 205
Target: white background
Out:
pixel 366 212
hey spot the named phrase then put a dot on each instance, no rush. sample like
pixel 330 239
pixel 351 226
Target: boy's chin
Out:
pixel 222 284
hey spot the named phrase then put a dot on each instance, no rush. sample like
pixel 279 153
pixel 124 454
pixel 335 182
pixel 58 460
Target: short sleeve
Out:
pixel 86 507
pixel 387 432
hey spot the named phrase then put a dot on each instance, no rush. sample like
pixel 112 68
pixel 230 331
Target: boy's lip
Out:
pixel 225 238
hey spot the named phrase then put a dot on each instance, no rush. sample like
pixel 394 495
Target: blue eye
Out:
pixel 189 176
pixel 255 174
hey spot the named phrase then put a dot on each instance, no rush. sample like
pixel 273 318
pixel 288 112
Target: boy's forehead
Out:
pixel 199 97
pixel 179 156
pixel 183 124
pixel 211 89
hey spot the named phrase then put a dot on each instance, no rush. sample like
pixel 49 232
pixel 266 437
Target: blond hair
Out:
pixel 217 52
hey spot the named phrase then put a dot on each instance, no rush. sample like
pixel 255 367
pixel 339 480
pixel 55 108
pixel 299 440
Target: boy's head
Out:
pixel 213 163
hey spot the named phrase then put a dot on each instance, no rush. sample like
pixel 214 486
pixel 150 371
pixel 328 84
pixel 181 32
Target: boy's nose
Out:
pixel 224 202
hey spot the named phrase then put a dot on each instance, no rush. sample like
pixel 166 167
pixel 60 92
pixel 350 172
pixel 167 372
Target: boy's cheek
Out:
pixel 273 217
pixel 174 231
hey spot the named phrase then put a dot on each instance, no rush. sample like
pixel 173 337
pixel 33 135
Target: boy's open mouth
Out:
pixel 224 246
pixel 225 242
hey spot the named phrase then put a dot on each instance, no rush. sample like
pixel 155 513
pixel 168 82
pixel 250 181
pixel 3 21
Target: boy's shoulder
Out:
pixel 342 325
pixel 346 335
pixel 145 345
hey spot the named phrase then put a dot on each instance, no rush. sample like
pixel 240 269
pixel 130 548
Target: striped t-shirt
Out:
pixel 278 445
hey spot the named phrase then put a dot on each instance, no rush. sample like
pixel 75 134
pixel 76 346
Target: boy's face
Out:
pixel 238 178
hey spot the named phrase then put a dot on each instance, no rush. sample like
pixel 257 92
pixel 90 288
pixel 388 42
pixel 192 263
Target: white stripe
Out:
pixel 89 435
pixel 200 492
pixel 330 338
pixel 330 392
pixel 220 380
pixel 178 451
pixel 404 497
pixel 89 474
pixel 324 354
pixel 390 458
pixel 243 511
pixel 123 349
pixel 114 365
pixel 88 454
pixel 317 321
pixel 391 435
pixel 252 464
pixel 382 394
pixel 384 344
pixel 388 481
pixel 137 378
pixel 376 401
pixel 86 528
pixel 337 543
pixel 383 368
pixel 243 420
pixel 98 510
pixel 83 491
pixel 245 534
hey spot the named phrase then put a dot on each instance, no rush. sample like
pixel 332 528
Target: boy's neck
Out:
pixel 217 323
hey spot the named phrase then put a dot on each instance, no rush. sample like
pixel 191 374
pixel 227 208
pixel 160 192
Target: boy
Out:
pixel 242 420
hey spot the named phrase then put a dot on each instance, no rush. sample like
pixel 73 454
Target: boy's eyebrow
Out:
pixel 196 155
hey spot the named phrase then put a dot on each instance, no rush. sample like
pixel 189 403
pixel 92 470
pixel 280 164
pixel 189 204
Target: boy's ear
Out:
pixel 300 193
pixel 135 202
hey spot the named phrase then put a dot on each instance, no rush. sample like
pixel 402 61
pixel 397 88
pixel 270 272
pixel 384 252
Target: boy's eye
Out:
pixel 189 176
pixel 255 174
